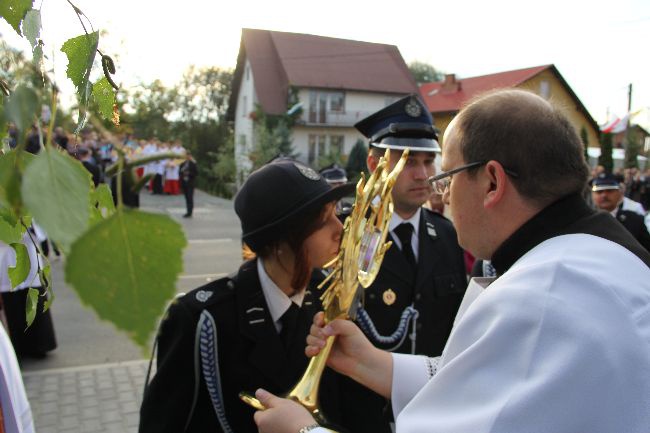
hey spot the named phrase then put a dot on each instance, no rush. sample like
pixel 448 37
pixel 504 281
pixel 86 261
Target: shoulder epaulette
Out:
pixel 210 294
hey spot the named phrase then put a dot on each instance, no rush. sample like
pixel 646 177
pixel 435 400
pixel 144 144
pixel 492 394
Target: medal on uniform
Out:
pixel 389 297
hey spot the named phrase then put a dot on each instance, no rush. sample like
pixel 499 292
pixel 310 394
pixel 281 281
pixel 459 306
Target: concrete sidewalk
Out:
pixel 96 398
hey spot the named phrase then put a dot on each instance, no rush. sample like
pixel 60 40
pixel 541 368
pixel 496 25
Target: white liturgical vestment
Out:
pixel 560 343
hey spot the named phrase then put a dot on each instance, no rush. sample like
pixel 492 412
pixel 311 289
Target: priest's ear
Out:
pixel 496 183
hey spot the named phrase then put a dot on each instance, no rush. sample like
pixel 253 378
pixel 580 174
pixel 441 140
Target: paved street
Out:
pixel 93 381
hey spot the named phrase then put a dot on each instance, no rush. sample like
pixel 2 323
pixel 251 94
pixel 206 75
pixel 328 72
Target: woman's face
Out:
pixel 323 245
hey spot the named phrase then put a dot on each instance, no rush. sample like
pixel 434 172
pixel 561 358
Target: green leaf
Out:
pixel 81 52
pixel 20 272
pixel 32 26
pixel 45 278
pixel 22 106
pixel 3 122
pixel 104 199
pixel 130 286
pixel 13 11
pixel 101 204
pixel 56 191
pixel 10 234
pixel 12 165
pixel 105 96
pixel 37 57
pixel 31 306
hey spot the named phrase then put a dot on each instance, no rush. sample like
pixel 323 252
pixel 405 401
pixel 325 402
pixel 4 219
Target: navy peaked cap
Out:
pixel 334 174
pixel 276 195
pixel 405 124
pixel 604 182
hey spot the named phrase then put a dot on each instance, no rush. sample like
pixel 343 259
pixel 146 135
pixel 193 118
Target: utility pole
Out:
pixel 629 98
pixel 630 159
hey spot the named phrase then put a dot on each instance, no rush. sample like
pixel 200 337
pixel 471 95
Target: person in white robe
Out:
pixel 560 340
pixel 16 411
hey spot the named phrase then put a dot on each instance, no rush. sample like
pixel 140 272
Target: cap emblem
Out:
pixel 308 172
pixel 412 108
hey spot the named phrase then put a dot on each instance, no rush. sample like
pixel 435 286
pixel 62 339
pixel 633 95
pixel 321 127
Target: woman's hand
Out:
pixel 282 415
pixel 352 354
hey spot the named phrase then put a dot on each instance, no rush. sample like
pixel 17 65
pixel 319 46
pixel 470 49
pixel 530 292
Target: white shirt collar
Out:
pixel 277 301
pixel 415 222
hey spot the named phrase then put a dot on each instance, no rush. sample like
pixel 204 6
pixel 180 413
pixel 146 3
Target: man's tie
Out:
pixel 404 232
pixel 289 321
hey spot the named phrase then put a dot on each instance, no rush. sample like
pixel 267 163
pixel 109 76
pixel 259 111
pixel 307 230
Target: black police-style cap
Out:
pixel 276 195
pixel 334 174
pixel 405 124
pixel 604 182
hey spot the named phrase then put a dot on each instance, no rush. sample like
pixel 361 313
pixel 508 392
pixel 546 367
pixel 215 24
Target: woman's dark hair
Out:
pixel 295 234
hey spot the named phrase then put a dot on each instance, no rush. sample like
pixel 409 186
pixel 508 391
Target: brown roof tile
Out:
pixel 280 60
pixel 441 97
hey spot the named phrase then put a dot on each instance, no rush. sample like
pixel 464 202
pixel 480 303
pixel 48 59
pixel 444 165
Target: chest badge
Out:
pixel 389 297
pixel 431 231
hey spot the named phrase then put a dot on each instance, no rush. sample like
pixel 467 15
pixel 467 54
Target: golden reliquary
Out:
pixel 356 266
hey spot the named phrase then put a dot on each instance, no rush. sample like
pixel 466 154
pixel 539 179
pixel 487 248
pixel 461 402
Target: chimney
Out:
pixel 451 85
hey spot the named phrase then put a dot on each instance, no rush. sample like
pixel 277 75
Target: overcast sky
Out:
pixel 599 47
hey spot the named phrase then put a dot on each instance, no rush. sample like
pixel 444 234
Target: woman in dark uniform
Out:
pixel 248 330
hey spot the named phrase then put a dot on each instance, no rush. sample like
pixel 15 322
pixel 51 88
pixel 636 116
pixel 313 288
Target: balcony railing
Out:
pixel 333 118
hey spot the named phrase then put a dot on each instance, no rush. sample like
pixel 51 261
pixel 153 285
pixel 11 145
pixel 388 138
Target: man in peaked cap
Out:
pixel 423 273
pixel 335 175
pixel 607 196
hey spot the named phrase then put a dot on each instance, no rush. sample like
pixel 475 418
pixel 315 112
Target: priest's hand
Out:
pixel 352 354
pixel 281 415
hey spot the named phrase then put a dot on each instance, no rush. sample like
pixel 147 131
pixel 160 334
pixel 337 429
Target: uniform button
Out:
pixel 418 296
pixel 453 285
pixel 371 295
pixel 231 284
pixel 419 326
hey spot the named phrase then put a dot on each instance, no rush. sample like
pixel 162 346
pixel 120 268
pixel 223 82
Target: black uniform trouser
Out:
pixel 158 184
pixel 188 190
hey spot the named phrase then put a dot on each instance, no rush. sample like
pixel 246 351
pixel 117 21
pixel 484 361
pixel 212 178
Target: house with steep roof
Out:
pixel 335 83
pixel 444 99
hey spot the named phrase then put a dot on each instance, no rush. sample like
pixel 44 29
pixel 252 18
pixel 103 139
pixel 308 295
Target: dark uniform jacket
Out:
pixel 250 352
pixel 435 291
pixel 188 172
pixel 635 224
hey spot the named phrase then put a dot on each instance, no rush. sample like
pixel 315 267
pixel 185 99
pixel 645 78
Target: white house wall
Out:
pixel 246 100
pixel 358 106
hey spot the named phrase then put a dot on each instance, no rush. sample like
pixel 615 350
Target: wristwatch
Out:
pixel 308 428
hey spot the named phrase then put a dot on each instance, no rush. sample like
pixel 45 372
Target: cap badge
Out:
pixel 308 172
pixel 412 108
pixel 389 297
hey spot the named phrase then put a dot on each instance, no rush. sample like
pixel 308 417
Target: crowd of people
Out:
pixel 168 176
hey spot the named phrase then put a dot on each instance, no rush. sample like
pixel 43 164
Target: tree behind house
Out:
pixel 357 161
pixel 424 72
pixel 605 158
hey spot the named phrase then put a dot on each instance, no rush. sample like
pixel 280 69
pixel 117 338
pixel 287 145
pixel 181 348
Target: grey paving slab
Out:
pixel 77 404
